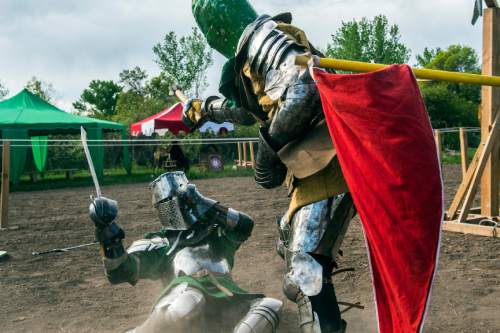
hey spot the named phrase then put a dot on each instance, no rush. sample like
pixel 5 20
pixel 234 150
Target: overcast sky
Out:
pixel 69 43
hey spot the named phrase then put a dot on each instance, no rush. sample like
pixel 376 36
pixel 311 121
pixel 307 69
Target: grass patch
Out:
pixel 116 176
pixel 141 174
pixel 455 158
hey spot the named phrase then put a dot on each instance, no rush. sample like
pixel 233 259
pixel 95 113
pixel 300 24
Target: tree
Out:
pixel 451 104
pixel 134 80
pixel 42 89
pixel 456 58
pixel 184 61
pixel 132 107
pixel 369 41
pixel 99 99
pixel 159 87
pixel 3 91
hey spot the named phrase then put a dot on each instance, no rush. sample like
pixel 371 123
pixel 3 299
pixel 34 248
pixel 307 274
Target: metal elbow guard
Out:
pixel 270 172
pixel 302 105
pixel 240 223
pixel 263 317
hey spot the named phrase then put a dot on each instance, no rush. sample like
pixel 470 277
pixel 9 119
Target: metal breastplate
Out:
pixel 191 260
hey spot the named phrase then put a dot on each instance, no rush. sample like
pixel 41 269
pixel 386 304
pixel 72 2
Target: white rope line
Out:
pixel 198 141
pixel 153 142
pixel 457 129
pixel 157 142
pixel 236 140
pixel 124 144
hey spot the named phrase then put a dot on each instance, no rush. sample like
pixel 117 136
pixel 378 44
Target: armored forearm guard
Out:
pixel 110 239
pixel 219 111
pixel 240 224
pixel 270 172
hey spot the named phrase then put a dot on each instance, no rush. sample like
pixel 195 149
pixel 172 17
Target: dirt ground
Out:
pixel 67 292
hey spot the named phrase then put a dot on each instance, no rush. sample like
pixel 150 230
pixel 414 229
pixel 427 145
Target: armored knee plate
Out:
pixel 263 317
pixel 304 275
pixel 176 311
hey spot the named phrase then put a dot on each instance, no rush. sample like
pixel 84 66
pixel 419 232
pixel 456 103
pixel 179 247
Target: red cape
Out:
pixel 385 145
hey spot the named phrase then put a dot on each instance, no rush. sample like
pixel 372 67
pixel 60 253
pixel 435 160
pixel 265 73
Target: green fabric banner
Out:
pixel 127 162
pixel 39 148
pixel 96 150
pixel 18 151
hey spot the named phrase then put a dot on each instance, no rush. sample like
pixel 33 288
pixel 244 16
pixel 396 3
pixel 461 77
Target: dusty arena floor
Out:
pixel 67 292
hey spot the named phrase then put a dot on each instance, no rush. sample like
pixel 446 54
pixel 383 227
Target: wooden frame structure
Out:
pixel 4 201
pixel 484 170
pixel 242 161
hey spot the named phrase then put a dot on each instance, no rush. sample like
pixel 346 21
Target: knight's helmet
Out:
pixel 223 22
pixel 178 204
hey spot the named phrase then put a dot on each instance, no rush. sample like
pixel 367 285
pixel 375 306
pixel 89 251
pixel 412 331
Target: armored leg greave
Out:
pixel 315 232
pixel 179 311
pixel 325 303
pixel 321 313
pixel 263 317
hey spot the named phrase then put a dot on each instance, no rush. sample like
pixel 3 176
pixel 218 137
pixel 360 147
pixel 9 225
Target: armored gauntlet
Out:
pixel 193 112
pixel 103 213
pixel 196 111
pixel 270 172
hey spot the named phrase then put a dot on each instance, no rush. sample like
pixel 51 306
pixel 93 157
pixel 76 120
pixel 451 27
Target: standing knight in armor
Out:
pixel 261 84
pixel 193 256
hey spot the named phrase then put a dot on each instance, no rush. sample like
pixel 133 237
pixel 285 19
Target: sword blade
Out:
pixel 89 160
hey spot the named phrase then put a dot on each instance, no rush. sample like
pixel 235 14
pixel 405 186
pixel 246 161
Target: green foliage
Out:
pixel 192 151
pixel 64 156
pixel 132 107
pixel 184 61
pixel 41 88
pixel 159 88
pixel 99 99
pixel 446 108
pixel 133 80
pixel 456 58
pixel 3 91
pixel 369 41
pixel 246 131
pixel 451 104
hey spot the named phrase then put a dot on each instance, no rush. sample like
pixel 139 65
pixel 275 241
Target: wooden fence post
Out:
pixel 464 153
pixel 4 202
pixel 244 154
pixel 488 148
pixel 490 105
pixel 437 138
pixel 252 155
pixel 239 154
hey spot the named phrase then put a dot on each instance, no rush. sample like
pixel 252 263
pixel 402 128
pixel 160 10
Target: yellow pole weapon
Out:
pixel 420 73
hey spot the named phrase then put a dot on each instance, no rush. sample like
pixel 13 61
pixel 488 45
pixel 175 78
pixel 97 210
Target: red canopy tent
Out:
pixel 170 119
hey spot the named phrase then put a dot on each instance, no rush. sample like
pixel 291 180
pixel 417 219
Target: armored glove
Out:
pixel 103 213
pixel 197 202
pixel 270 172
pixel 193 112
pixel 196 112
pixel 210 210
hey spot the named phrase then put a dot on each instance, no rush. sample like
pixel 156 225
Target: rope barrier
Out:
pixel 156 142
pixel 235 140
pixel 118 144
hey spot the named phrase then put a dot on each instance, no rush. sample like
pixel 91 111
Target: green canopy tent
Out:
pixel 26 116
